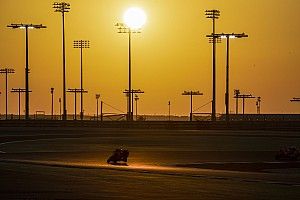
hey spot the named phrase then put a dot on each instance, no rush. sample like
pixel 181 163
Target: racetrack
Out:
pixel 162 165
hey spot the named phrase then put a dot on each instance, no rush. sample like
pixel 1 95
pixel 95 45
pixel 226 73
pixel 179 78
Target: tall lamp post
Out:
pixel 59 101
pixel 97 99
pixel 228 36
pixel 258 102
pixel 134 19
pixel 52 102
pixel 26 27
pixel 81 44
pixel 63 7
pixel 213 14
pixel 6 71
pixel 191 94
pixel 169 105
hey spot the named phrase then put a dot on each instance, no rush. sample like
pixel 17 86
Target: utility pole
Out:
pixel 75 91
pixel 81 44
pixel 213 14
pixel 19 91
pixel 63 7
pixel 6 71
pixel 191 94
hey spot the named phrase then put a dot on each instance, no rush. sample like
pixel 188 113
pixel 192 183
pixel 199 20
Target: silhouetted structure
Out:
pixel 169 105
pixel 213 14
pixel 97 99
pixel 243 97
pixel 136 98
pixel 295 99
pixel 191 94
pixel 122 28
pixel 63 7
pixel 59 101
pixel 131 94
pixel 52 101
pixel 75 91
pixel 6 71
pixel 227 36
pixel 258 101
pixel 19 91
pixel 26 27
pixel 81 44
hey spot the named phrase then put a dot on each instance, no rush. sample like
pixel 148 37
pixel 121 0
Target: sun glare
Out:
pixel 135 18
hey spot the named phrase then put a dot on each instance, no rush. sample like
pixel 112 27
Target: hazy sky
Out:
pixel 171 54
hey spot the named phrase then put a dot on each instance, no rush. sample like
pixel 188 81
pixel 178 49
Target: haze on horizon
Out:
pixel 170 55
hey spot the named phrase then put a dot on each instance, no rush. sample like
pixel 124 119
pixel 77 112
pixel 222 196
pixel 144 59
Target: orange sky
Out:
pixel 171 54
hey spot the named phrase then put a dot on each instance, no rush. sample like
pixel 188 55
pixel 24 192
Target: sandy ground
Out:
pixel 162 165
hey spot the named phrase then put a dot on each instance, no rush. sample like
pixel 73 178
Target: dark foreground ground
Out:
pixel 162 165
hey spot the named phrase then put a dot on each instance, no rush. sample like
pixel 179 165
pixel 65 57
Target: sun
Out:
pixel 134 18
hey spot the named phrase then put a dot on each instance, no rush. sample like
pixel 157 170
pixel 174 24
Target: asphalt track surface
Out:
pixel 162 165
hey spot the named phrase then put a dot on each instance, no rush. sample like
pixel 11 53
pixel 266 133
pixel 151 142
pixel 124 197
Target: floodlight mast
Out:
pixel 227 36
pixel 63 7
pixel 26 27
pixel 213 14
pixel 122 28
pixel 81 44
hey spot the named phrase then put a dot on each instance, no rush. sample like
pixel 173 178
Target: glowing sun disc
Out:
pixel 135 18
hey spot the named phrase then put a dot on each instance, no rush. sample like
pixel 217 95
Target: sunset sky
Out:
pixel 170 55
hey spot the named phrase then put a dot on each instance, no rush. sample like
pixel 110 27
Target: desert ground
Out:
pixel 162 164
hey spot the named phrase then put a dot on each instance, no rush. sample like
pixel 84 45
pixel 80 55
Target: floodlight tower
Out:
pixel 26 27
pixel 191 94
pixel 134 19
pixel 81 44
pixel 227 36
pixel 6 71
pixel 63 7
pixel 213 14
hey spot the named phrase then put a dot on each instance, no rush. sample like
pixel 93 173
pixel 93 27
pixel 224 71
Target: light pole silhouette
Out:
pixel 19 91
pixel 6 71
pixel 59 101
pixel 131 94
pixel 134 19
pixel 243 97
pixel 75 91
pixel 213 14
pixel 97 99
pixel 169 105
pixel 26 27
pixel 258 102
pixel 227 36
pixel 81 44
pixel 191 94
pixel 52 101
pixel 136 98
pixel 63 7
